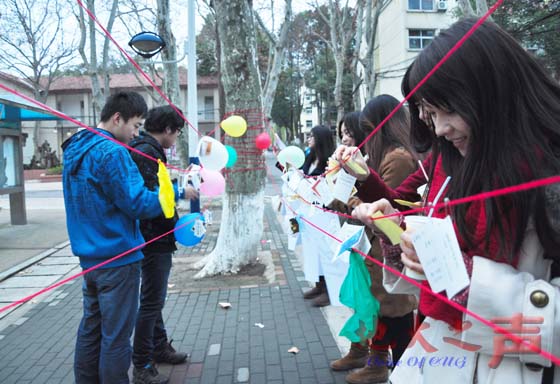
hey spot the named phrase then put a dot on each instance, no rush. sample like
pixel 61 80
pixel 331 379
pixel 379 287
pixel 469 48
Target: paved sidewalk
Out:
pixel 225 345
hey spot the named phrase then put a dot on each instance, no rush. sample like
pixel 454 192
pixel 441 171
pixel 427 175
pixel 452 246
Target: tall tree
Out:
pixel 342 23
pixel 277 56
pixel 96 70
pixel 171 71
pixel 371 20
pixel 34 45
pixel 242 212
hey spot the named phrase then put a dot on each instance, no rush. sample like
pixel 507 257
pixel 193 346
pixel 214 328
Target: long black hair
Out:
pixel 512 106
pixel 321 151
pixel 351 122
pixel 394 133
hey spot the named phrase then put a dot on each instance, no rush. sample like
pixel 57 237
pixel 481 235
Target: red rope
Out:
pixel 459 307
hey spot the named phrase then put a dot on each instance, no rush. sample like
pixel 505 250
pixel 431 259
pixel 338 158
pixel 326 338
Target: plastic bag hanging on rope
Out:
pixel 166 194
pixel 355 293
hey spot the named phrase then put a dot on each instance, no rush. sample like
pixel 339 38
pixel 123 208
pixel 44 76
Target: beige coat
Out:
pixel 396 166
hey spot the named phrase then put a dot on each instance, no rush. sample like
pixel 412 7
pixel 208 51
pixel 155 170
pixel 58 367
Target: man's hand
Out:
pixel 190 193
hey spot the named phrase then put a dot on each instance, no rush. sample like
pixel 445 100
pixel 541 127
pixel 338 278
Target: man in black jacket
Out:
pixel 163 125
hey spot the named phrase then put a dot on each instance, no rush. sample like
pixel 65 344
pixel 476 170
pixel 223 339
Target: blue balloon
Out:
pixel 185 235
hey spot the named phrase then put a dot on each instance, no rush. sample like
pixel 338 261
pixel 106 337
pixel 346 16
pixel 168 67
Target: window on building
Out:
pixel 421 5
pixel 420 38
pixel 308 110
pixel 209 107
pixel 309 124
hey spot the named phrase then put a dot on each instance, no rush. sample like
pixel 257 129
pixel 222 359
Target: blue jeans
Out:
pixel 149 334
pixel 103 345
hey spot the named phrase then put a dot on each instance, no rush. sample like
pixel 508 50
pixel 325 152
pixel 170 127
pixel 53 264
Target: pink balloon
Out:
pixel 262 141
pixel 213 183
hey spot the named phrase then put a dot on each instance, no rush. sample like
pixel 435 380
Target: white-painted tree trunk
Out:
pixel 243 206
pixel 239 236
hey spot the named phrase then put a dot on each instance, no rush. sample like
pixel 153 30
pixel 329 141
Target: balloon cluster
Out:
pixel 214 156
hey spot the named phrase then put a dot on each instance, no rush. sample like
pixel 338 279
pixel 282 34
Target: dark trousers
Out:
pixel 394 332
pixel 150 334
pixel 102 352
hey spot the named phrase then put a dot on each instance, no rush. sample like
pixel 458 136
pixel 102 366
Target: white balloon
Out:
pixel 293 155
pixel 212 154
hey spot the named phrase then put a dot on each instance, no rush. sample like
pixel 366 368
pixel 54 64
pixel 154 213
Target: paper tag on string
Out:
pixel 295 179
pixel 323 191
pixel 440 255
pixel 388 227
pixel 198 228
pixel 352 236
pixel 208 216
pixel 292 241
pixel 344 186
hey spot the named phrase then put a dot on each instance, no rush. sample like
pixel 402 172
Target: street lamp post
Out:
pixel 148 44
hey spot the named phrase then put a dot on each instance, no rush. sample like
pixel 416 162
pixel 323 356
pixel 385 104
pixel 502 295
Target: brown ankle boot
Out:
pixel 315 291
pixel 376 370
pixel 355 358
pixel 322 300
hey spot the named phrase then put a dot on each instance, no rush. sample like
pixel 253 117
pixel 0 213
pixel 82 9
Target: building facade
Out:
pixel 72 95
pixel 405 27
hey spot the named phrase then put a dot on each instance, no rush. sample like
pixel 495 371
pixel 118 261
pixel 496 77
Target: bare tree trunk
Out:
pixel 373 10
pixel 341 29
pixel 34 46
pixel 466 8
pixel 356 78
pixel 243 205
pixel 99 96
pixel 482 8
pixel 171 72
pixel 279 48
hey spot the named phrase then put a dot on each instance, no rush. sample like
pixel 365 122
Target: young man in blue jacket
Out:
pixel 162 127
pixel 104 195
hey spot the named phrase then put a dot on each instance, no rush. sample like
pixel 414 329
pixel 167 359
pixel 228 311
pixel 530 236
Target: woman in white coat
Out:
pixel 491 115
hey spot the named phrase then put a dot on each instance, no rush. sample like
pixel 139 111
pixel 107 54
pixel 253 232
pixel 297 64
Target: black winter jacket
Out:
pixel 148 168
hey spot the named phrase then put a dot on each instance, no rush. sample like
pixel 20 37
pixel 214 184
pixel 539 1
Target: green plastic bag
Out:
pixel 355 293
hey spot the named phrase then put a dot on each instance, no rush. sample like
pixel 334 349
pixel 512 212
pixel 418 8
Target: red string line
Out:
pixel 79 123
pixel 459 307
pixel 53 286
pixel 428 75
pixel 135 64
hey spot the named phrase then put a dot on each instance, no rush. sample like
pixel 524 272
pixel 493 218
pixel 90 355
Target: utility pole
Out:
pixel 192 102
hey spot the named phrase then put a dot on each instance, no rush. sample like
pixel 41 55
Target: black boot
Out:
pixel 168 354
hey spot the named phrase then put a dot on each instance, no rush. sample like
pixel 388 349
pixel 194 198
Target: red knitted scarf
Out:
pixel 482 246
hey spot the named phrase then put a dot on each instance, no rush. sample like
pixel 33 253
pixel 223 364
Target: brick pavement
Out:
pixel 225 345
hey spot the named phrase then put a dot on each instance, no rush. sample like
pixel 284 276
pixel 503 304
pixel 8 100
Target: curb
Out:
pixel 29 262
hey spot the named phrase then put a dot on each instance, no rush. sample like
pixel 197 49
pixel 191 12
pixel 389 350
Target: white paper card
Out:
pixel 208 217
pixel 323 191
pixel 343 187
pixel 438 251
pixel 294 180
pixel 305 192
pixel 198 228
pixel 292 241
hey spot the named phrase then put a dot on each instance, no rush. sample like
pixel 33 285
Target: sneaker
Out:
pixel 169 355
pixel 148 375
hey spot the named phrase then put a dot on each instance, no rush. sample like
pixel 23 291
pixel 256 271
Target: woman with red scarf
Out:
pixel 491 115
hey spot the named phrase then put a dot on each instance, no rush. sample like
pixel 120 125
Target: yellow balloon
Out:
pixel 235 126
pixel 166 193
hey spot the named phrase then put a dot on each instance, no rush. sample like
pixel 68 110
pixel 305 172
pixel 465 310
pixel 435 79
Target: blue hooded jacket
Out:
pixel 104 195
